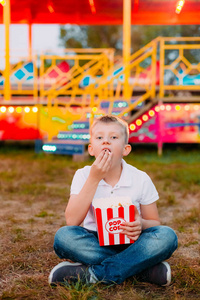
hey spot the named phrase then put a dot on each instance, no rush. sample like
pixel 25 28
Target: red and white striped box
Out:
pixel 108 221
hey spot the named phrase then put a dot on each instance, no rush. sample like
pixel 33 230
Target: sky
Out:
pixel 44 37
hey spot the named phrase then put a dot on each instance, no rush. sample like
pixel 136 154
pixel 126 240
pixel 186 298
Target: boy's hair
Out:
pixel 112 119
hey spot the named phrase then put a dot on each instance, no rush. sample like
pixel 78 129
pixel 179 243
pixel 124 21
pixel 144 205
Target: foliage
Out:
pixel 74 36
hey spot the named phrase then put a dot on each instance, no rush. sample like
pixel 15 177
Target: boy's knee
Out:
pixel 169 235
pixel 58 239
pixel 169 232
pixel 63 239
pixel 64 233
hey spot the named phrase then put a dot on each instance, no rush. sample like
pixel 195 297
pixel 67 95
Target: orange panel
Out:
pixel 105 12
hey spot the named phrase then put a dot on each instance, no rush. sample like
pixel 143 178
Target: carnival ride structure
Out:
pixel 58 112
pixel 52 98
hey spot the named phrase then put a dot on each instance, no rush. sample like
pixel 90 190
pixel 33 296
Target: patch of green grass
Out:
pixel 62 193
pixel 79 291
pixel 188 175
pixel 171 199
pixel 181 229
pixel 30 249
pixel 188 154
pixel 18 235
pixel 31 220
pixel 167 184
pixel 42 214
pixel 12 220
pixel 191 243
pixel 184 175
pixel 194 216
pixel 187 278
pixel 8 175
pixel 32 188
pixel 189 219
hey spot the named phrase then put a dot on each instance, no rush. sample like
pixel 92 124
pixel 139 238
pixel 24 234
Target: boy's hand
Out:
pixel 101 165
pixel 133 229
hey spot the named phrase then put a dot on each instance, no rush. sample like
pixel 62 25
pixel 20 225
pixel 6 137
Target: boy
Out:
pixel 111 176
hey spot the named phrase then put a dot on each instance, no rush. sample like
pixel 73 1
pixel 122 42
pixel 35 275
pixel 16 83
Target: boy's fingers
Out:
pixel 131 224
pixel 99 158
pixel 102 156
pixel 105 161
pixel 131 231
pixel 134 238
pixel 102 163
pixel 131 228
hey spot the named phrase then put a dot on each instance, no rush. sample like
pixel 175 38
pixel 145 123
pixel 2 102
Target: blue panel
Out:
pixel 67 149
pixel 78 124
pixel 86 81
pixel 29 67
pixel 29 77
pixel 38 146
pixel 19 74
pixel 118 71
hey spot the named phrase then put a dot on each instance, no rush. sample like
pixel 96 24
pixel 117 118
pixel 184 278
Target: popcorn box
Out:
pixel 108 221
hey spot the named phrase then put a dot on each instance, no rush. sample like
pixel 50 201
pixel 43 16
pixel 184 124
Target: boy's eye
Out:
pixel 114 137
pixel 99 137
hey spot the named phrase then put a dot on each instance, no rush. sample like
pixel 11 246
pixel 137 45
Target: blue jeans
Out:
pixel 115 263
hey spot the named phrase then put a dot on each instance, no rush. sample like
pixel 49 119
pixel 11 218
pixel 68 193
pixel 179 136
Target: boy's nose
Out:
pixel 106 141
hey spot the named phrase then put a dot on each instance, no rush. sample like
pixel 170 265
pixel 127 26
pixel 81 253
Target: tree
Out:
pixel 74 36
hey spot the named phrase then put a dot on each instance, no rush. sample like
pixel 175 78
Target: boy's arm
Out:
pixel 79 204
pixel 149 218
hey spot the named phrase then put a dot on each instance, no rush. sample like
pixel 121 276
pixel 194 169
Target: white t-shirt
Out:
pixel 133 183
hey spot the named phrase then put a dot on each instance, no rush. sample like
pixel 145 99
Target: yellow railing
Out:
pixel 70 70
pixel 86 77
pixel 23 77
pixel 178 68
pixel 106 80
pixel 141 78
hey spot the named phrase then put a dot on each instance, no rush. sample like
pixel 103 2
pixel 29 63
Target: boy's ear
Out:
pixel 90 150
pixel 127 150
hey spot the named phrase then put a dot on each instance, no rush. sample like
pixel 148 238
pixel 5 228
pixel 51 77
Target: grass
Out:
pixel 33 194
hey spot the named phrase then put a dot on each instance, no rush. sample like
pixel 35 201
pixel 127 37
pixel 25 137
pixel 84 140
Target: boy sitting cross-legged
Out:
pixel 111 176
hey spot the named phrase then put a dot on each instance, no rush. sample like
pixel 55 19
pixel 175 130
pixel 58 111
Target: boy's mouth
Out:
pixel 106 149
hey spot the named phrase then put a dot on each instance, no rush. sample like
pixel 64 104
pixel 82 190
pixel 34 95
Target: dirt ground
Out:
pixel 33 196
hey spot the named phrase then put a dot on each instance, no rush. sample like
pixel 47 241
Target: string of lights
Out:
pixel 2 2
pixel 92 6
pixel 179 6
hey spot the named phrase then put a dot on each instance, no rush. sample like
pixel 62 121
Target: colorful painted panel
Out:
pixel 180 123
pixel 19 123
pixel 23 74
pixel 35 122
pixel 168 123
